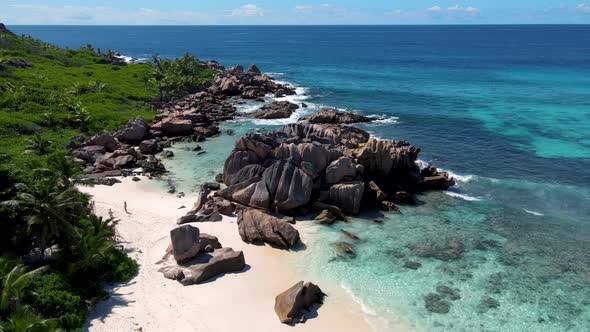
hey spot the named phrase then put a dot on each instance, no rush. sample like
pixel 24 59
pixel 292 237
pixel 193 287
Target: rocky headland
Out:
pixel 133 149
pixel 320 167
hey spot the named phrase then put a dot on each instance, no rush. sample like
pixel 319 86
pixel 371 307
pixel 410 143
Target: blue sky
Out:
pixel 198 12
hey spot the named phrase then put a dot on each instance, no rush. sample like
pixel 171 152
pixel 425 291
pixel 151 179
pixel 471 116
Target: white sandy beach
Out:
pixel 233 302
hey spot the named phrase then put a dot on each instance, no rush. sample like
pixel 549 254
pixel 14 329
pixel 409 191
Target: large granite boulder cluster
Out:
pixel 294 168
pixel 249 84
pixel 194 257
pixel 120 153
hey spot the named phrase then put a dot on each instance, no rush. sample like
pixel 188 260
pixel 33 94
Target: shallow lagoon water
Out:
pixel 505 108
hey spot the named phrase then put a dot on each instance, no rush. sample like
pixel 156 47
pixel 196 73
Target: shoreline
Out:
pixel 150 302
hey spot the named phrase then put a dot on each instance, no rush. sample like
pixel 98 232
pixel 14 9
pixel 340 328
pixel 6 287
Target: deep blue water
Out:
pixel 507 108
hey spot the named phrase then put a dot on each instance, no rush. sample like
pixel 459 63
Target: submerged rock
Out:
pixel 292 303
pixel 345 249
pixel 443 249
pixel 452 294
pixel 486 303
pixel 412 265
pixel 349 235
pixel 434 303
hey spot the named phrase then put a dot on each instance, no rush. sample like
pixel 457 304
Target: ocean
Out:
pixel 505 109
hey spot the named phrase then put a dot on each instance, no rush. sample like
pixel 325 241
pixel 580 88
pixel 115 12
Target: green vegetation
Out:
pixel 55 254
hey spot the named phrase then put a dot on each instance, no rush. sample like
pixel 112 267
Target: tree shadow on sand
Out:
pixel 104 309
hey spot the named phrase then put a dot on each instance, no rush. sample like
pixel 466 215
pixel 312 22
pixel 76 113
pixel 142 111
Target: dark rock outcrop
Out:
pixel 149 146
pixel 106 140
pixel 292 303
pixel 17 63
pixel 185 242
pixel 255 225
pixel 134 132
pixel 193 258
pixel 291 168
pixel 4 29
pixel 348 196
pixel 205 266
pixel 333 116
pixel 276 110
pixel 249 85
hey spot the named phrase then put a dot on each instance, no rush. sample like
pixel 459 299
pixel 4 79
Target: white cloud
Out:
pixel 583 8
pixel 302 9
pixel 324 8
pixel 248 10
pixel 458 8
pixel 435 9
pixel 44 14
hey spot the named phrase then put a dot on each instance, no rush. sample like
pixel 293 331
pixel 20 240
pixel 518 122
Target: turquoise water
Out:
pixel 504 108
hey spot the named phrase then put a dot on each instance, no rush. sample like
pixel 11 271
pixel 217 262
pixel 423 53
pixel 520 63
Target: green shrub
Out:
pixel 55 298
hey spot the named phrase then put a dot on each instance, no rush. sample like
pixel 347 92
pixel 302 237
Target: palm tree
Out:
pixel 14 286
pixel 25 320
pixel 51 210
pixel 60 169
pixel 81 117
pixel 38 145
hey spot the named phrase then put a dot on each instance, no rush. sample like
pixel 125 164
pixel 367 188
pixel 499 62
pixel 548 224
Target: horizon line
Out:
pixel 292 25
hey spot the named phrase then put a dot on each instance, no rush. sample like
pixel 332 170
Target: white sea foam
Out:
pixel 458 177
pixel 534 213
pixel 129 59
pixel 248 107
pixel 271 74
pixel 292 119
pixel 385 119
pixel 365 308
pixel 463 196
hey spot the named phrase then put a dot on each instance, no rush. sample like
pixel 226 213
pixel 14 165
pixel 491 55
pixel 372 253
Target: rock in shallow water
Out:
pixel 451 293
pixel 276 110
pixel 333 116
pixel 435 303
pixel 487 303
pixel 291 304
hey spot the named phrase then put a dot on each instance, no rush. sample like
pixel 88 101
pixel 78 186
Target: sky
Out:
pixel 228 12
